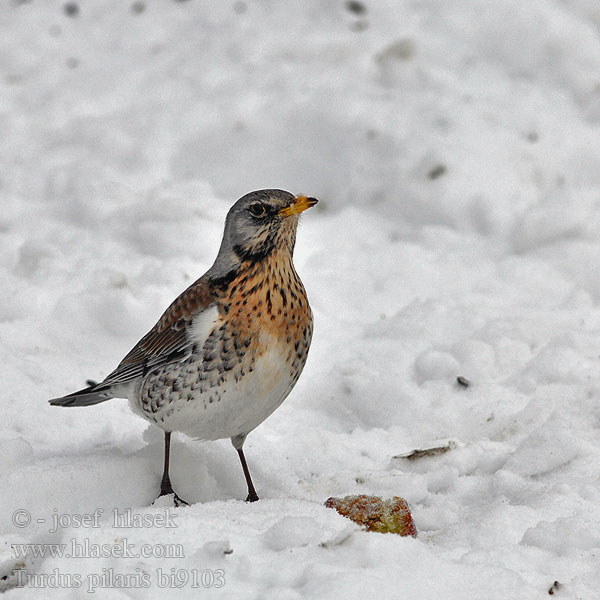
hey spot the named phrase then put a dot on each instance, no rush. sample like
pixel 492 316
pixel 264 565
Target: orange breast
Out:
pixel 267 303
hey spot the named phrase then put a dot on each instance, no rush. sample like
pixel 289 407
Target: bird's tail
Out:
pixel 87 397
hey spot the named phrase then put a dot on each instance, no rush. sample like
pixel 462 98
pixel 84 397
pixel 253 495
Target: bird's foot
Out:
pixel 177 501
pixel 168 500
pixel 252 497
pixel 169 495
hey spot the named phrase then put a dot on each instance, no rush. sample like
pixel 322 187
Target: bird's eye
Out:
pixel 257 210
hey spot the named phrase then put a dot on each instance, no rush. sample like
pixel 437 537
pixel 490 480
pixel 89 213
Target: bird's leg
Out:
pixel 165 484
pixel 252 495
pixel 166 488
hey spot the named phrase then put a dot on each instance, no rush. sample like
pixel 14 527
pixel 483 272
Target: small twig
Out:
pixel 427 452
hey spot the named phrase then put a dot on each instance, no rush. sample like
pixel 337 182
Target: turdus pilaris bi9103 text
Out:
pixel 231 347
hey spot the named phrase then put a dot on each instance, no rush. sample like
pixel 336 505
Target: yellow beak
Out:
pixel 300 204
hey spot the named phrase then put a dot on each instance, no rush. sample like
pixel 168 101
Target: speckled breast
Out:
pixel 248 364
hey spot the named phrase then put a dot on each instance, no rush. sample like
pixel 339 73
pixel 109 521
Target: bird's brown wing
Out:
pixel 169 340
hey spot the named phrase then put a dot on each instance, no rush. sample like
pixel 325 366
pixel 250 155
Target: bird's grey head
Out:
pixel 257 225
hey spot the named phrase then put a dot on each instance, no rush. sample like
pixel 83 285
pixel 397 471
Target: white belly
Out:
pixel 233 408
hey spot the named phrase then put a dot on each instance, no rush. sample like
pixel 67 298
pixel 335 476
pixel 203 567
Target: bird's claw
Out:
pixel 170 498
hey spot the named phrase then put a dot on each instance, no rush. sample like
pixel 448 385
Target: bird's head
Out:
pixel 259 224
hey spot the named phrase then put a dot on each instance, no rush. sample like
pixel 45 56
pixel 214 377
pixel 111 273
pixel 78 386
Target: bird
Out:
pixel 230 348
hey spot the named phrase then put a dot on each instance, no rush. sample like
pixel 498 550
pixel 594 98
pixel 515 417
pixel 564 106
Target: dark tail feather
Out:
pixel 86 397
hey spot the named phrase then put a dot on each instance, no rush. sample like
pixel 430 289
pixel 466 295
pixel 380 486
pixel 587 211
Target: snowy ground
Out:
pixel 454 147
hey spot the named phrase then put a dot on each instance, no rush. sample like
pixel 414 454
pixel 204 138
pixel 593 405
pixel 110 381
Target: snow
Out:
pixel 454 150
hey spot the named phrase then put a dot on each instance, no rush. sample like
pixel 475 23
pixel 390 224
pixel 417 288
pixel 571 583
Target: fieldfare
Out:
pixel 231 347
